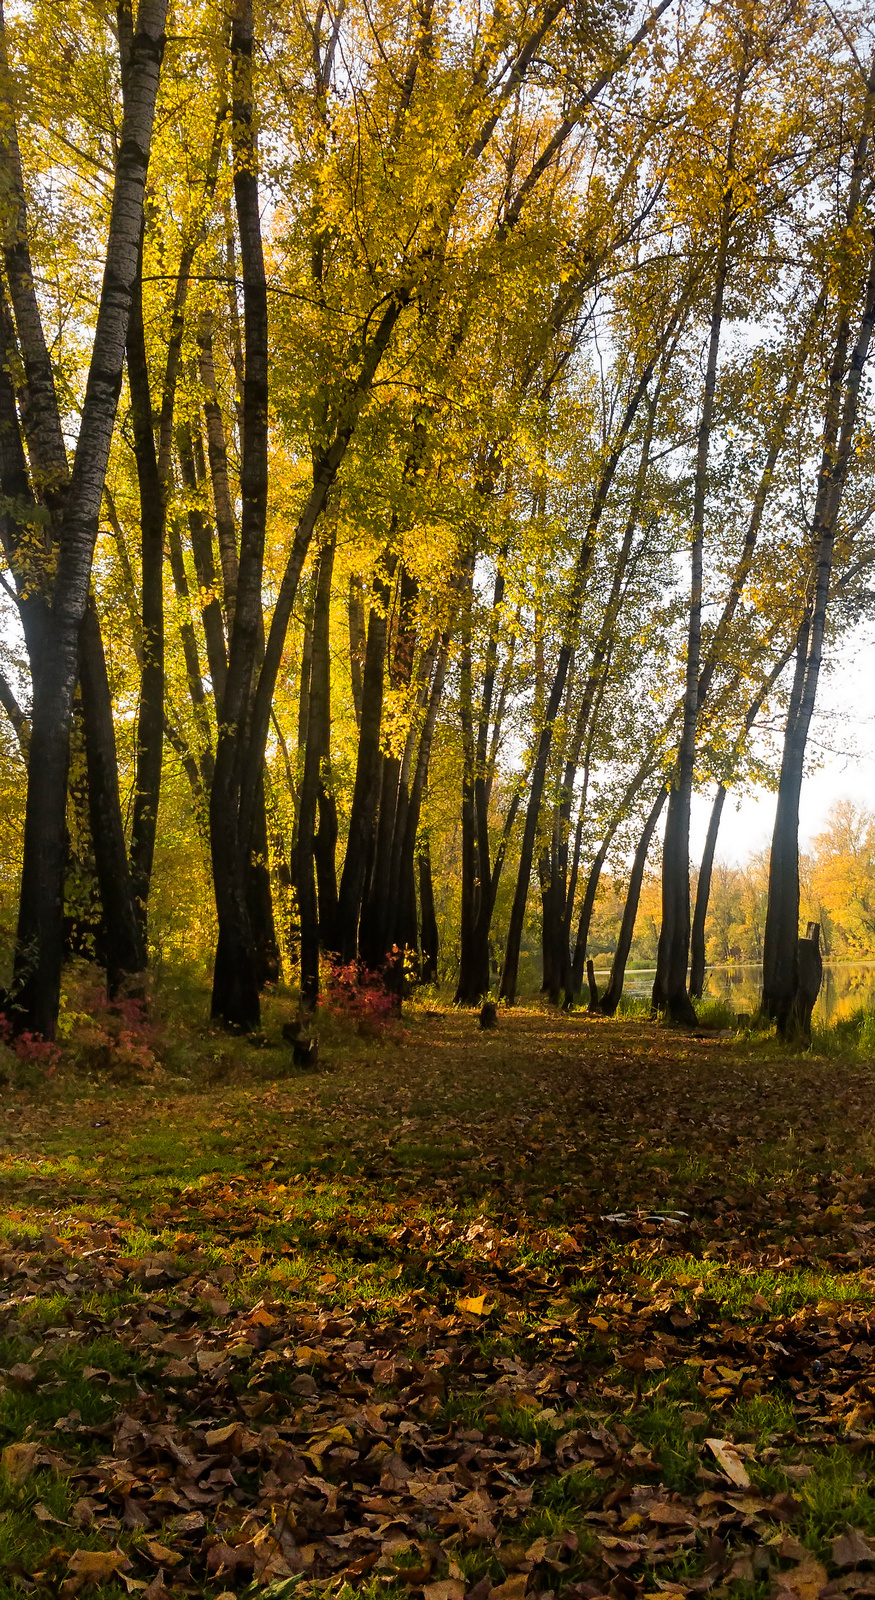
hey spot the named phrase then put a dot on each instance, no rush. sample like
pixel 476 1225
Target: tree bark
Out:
pixel 703 887
pixel 235 978
pixel 217 454
pixel 613 993
pixel 428 936
pixel 150 711
pixel 125 951
pixel 377 913
pixel 404 931
pixel 703 894
pixel 39 948
pixel 357 644
pixel 781 936
pixel 318 726
pixel 366 789
pixel 670 985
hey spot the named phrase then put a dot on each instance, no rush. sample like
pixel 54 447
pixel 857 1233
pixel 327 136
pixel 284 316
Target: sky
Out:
pixel 841 761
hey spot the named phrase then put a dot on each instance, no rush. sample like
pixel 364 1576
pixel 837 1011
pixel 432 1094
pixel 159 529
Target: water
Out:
pixel 847 986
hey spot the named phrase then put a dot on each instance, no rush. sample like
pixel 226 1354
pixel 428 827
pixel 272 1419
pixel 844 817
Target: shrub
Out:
pixel 357 995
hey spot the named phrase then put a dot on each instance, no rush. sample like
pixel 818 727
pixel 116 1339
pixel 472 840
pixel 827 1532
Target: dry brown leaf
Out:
pixel 801 1583
pixel 669 1515
pixel 512 1589
pixel 445 1589
pixel 852 1549
pixel 729 1461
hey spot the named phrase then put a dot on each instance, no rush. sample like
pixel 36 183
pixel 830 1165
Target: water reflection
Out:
pixel 847 986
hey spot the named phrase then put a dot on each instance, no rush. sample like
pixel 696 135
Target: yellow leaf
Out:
pixel 477 1306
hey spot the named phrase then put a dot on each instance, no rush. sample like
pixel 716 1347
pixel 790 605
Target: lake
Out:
pixel 847 986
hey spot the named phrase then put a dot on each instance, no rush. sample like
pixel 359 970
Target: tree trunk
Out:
pixel 670 985
pixel 217 455
pixel 235 978
pixel 780 943
pixel 613 993
pixel 366 790
pixel 150 711
pixel 471 984
pixel 40 926
pixel 590 892
pixel 377 912
pixel 404 931
pixel 259 899
pixel 325 857
pixel 703 887
pixel 357 644
pixel 703 893
pixel 561 899
pixel 125 936
pixel 428 937
pixel 318 725
pixel 201 537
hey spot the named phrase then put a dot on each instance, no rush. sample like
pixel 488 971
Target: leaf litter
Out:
pixel 532 1408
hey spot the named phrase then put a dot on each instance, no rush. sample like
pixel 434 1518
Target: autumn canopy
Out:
pixel 434 443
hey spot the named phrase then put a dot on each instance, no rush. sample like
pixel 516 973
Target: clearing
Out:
pixel 576 1306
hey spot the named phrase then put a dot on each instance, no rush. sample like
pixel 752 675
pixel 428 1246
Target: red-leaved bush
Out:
pixel 119 1035
pixel 357 995
pixel 30 1048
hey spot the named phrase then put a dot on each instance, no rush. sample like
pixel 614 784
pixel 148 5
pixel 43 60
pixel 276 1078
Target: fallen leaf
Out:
pixel 446 1589
pixel 512 1589
pixel 219 1436
pixel 160 1553
pixel 18 1461
pixel 88 1567
pixel 801 1583
pixel 852 1549
pixel 477 1306
pixel 729 1461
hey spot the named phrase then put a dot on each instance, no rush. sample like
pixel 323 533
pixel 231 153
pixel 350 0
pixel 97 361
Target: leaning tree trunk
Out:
pixel 781 936
pixel 670 986
pixel 613 993
pixel 39 948
pixel 703 894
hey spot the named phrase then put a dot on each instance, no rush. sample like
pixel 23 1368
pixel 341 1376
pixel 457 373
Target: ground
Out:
pixel 578 1306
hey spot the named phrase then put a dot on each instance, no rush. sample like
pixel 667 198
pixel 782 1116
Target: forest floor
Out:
pixel 577 1306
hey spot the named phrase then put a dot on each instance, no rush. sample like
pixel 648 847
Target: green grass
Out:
pixel 407 1177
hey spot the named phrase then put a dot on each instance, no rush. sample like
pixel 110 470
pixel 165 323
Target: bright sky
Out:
pixel 841 764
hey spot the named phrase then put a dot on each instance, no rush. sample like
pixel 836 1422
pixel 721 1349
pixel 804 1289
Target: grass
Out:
pixel 488 1208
